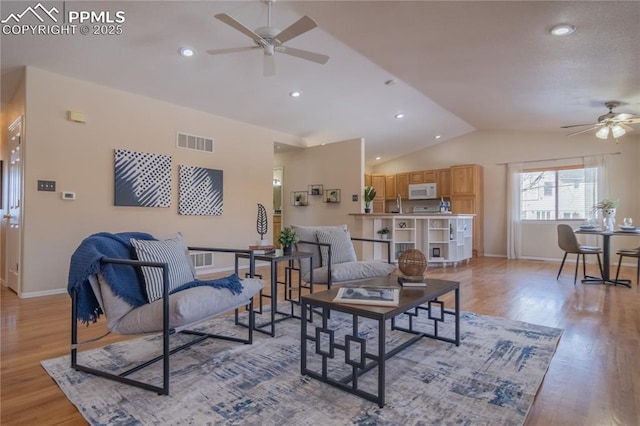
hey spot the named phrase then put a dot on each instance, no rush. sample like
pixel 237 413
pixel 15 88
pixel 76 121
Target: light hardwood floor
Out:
pixel 593 379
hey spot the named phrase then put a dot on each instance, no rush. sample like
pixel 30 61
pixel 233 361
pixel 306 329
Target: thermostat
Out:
pixel 65 195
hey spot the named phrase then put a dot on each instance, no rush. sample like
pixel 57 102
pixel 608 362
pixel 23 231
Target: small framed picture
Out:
pixel 314 189
pixel 435 252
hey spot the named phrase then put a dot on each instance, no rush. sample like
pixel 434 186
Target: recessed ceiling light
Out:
pixel 390 82
pixel 437 136
pixel 295 94
pixel 400 115
pixel 562 29
pixel 187 52
pixel 378 158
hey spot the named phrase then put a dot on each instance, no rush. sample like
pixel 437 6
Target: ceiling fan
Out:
pixel 611 123
pixel 271 40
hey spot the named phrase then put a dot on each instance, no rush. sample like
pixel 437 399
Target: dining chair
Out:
pixel 629 253
pixel 568 242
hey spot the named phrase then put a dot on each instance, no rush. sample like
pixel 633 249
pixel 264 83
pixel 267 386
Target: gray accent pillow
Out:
pixel 308 233
pixel 171 251
pixel 341 246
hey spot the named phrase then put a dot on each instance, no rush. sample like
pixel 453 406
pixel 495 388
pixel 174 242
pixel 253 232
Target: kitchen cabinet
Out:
pixel 465 179
pixel 378 182
pixel 378 206
pixel 416 177
pixel 444 183
pixel 390 187
pixel 430 176
pixel 402 185
pixel 467 198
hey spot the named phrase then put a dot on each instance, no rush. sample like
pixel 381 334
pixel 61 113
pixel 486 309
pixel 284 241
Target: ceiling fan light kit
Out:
pixel 271 40
pixel 611 123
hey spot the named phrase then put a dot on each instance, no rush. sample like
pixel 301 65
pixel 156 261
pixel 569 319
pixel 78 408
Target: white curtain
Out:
pixel 514 223
pixel 602 189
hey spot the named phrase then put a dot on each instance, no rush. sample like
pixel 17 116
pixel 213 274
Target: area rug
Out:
pixel 490 379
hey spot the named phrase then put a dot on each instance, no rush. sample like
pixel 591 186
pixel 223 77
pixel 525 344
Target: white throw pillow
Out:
pixel 171 251
pixel 341 246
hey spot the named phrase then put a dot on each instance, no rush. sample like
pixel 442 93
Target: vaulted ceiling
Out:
pixel 456 66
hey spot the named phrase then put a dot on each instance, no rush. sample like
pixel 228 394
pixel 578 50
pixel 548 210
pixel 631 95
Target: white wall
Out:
pixel 491 148
pixel 335 165
pixel 80 158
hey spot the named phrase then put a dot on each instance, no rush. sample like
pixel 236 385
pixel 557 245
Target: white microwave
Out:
pixel 423 191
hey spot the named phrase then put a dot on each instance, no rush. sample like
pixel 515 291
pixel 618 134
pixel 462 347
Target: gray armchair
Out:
pixel 334 256
pixel 141 291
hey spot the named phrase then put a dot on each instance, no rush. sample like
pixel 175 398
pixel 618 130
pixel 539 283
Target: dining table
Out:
pixel 606 252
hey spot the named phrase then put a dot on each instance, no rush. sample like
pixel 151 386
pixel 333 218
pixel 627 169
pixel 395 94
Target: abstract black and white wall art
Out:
pixel 142 179
pixel 200 191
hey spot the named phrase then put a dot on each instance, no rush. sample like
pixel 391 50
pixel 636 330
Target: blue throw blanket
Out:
pixel 85 262
pixel 125 281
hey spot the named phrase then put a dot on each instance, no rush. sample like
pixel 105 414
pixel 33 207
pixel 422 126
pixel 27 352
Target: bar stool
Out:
pixel 629 253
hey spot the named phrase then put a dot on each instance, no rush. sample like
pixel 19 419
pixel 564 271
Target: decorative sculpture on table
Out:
pixel 412 264
pixel 262 223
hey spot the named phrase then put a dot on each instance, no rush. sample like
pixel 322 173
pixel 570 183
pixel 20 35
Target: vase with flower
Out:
pixel 608 209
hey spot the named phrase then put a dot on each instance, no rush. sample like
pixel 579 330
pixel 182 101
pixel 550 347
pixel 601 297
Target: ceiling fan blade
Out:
pixel 232 50
pixel 622 116
pixel 634 120
pixel 578 125
pixel 238 26
pixel 583 131
pixel 303 54
pixel 299 27
pixel 624 126
pixel 269 65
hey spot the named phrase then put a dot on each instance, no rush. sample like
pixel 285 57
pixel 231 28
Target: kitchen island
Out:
pixel 444 238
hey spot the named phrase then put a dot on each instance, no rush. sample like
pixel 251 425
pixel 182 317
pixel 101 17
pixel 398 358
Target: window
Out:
pixel 557 193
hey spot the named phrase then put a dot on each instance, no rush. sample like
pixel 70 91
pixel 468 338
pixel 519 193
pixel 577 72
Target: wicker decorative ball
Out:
pixel 412 263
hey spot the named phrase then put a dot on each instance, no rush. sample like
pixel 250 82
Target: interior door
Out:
pixel 14 204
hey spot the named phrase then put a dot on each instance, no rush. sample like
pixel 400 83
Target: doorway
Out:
pixel 278 179
pixel 13 216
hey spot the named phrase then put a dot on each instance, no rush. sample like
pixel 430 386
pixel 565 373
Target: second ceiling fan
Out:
pixel 610 124
pixel 271 40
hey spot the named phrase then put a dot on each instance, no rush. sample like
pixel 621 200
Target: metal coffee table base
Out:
pixel 354 348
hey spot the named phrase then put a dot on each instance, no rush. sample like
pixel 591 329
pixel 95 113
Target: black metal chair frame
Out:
pixel 166 331
pixel 628 253
pixel 587 278
pixel 329 279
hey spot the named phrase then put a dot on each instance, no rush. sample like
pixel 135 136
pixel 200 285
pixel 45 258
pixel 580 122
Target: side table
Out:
pixel 275 258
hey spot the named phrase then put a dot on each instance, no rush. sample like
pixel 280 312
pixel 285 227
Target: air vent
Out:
pixel 202 259
pixel 197 143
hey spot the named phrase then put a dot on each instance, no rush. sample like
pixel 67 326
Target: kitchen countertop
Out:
pixel 409 214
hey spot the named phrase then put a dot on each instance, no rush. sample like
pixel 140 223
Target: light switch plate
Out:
pixel 47 185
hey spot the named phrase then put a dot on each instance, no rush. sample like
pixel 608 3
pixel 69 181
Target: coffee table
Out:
pixel 323 343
